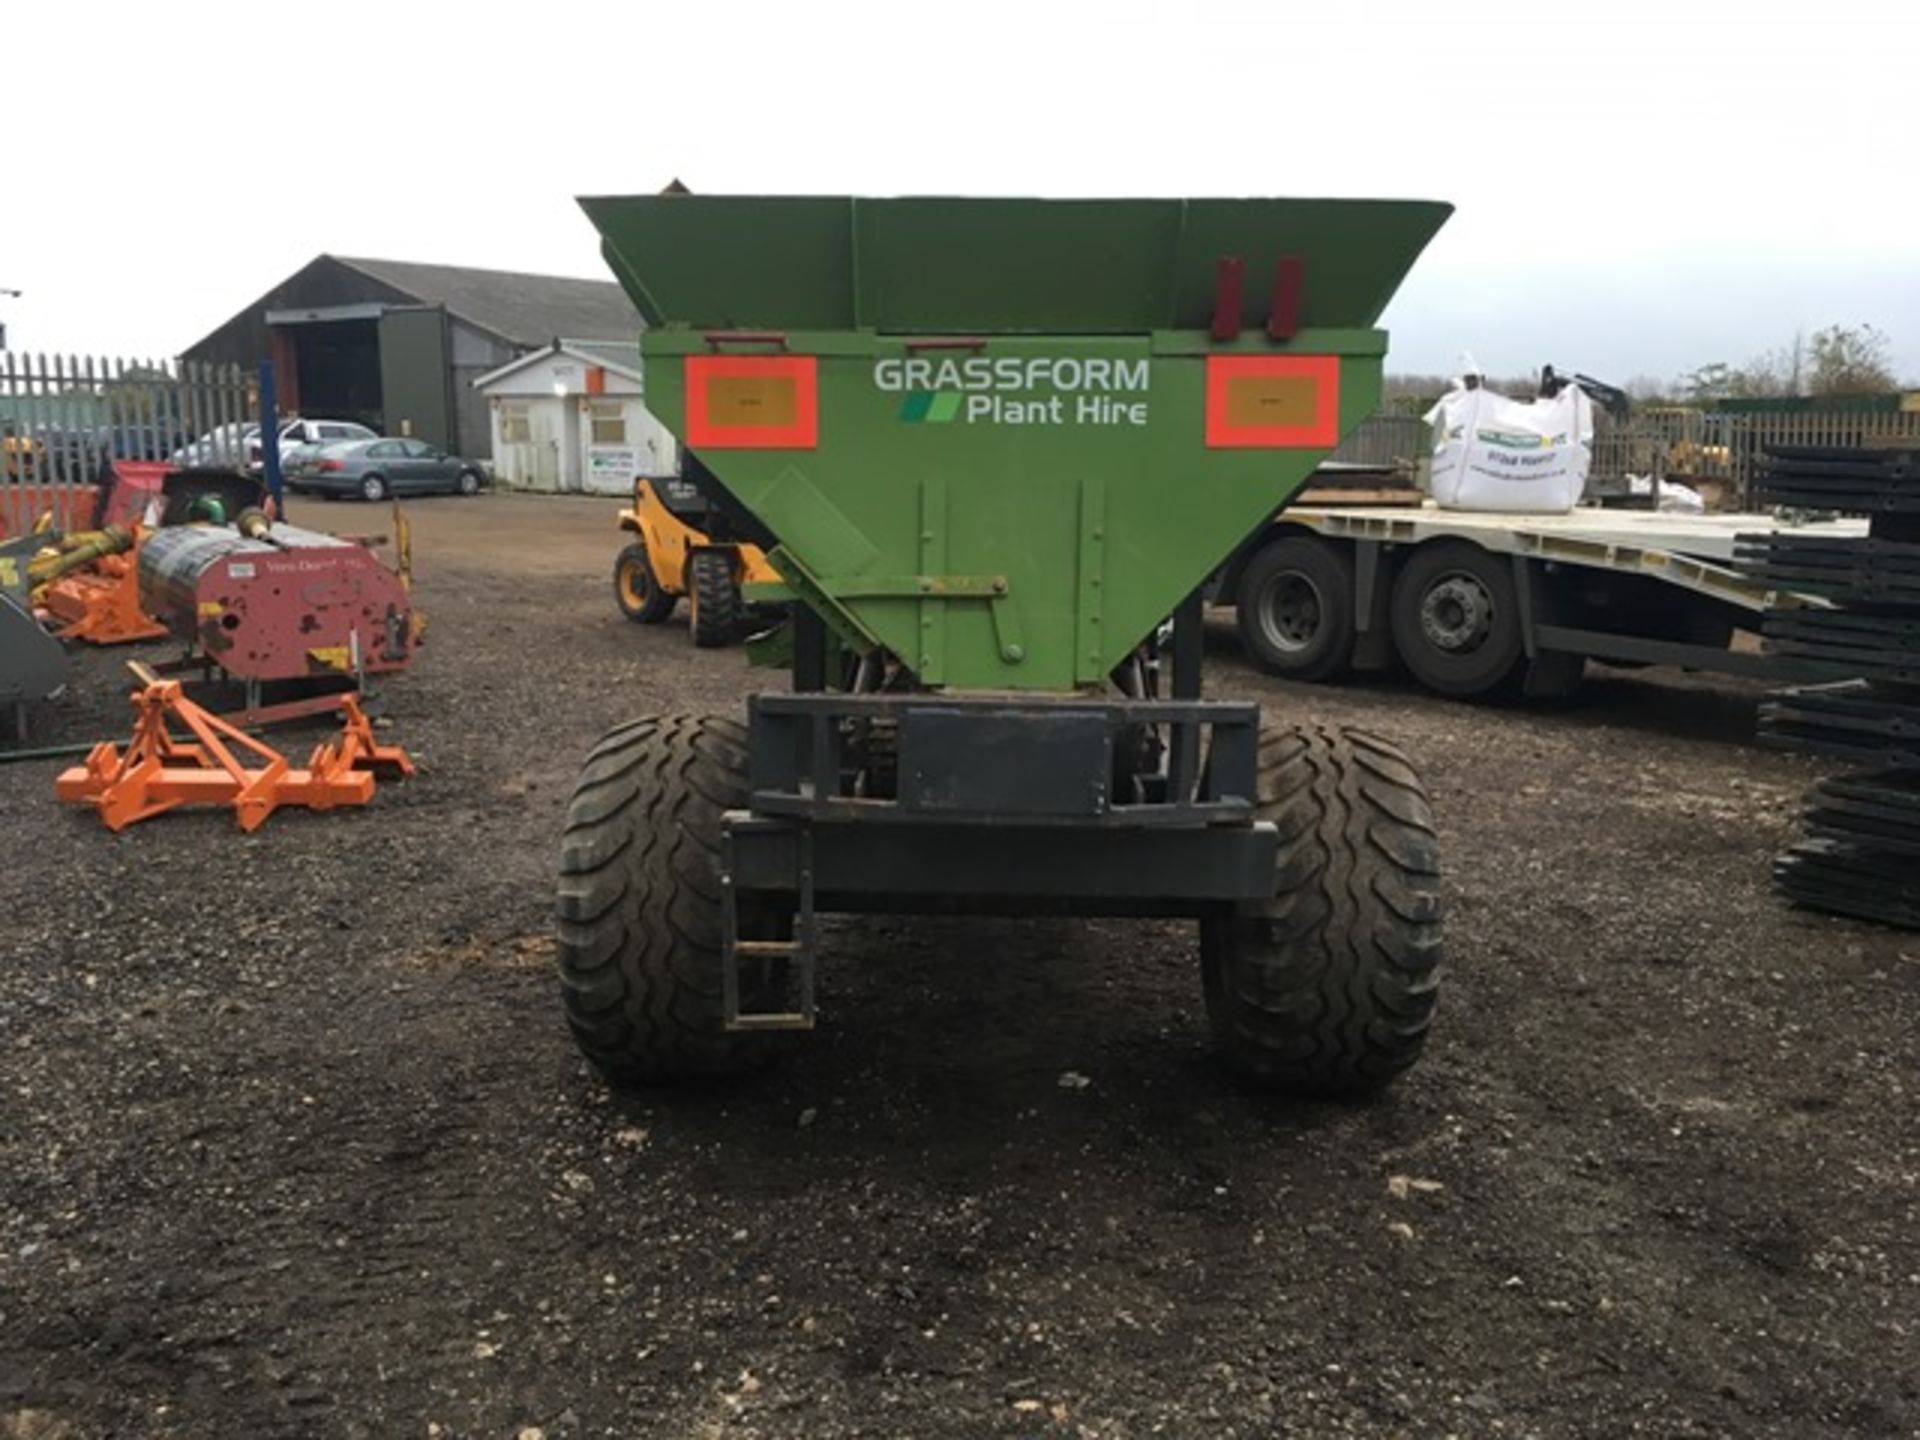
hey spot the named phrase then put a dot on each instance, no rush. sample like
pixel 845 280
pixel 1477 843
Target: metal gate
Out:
pixel 65 418
pixel 1724 448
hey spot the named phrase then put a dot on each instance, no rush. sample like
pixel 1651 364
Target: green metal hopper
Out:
pixel 1010 475
pixel 994 445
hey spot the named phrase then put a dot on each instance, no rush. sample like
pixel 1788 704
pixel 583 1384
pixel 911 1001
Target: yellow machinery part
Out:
pixel 670 541
pixel 74 552
pixel 754 569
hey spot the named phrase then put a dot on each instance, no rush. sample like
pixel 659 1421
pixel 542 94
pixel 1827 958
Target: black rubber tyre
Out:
pixel 469 483
pixel 716 598
pixel 635 590
pixel 373 488
pixel 639 908
pixel 1294 606
pixel 1331 991
pixel 1456 620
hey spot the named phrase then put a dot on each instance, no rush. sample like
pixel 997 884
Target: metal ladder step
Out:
pixel 800 950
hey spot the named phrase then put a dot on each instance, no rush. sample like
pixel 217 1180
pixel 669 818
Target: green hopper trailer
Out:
pixel 995 449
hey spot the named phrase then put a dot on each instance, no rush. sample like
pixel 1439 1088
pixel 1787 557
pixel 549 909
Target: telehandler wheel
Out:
pixel 1330 991
pixel 716 598
pixel 639 905
pixel 637 593
pixel 1295 608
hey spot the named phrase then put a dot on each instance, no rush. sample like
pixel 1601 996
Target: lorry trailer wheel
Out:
pixel 716 597
pixel 639 905
pixel 1295 608
pixel 635 590
pixel 1456 620
pixel 1329 990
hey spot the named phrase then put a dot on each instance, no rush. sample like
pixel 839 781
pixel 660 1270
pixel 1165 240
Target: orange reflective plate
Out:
pixel 752 402
pixel 1275 402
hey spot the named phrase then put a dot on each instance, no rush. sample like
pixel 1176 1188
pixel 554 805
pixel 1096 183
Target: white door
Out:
pixel 544 459
pixel 513 447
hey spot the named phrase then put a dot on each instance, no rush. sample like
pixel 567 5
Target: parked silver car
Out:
pixel 375 469
pixel 238 443
pixel 230 446
pixel 298 435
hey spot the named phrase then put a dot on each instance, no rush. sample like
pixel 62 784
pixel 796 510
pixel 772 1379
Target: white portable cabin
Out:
pixel 571 418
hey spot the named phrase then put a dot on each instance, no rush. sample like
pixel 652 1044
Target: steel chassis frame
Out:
pixel 1003 807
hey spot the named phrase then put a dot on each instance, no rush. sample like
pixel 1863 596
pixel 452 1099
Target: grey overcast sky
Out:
pixel 1641 187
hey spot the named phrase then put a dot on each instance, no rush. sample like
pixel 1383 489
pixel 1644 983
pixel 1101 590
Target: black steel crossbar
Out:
pixel 1007 760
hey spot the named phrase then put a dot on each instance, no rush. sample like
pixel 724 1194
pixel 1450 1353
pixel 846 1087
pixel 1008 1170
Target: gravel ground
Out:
pixel 294 1141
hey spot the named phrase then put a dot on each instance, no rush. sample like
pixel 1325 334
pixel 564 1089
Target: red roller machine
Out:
pixel 297 617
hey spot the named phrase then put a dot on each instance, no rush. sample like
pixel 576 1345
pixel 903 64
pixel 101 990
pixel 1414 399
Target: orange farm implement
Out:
pixel 92 589
pixel 223 765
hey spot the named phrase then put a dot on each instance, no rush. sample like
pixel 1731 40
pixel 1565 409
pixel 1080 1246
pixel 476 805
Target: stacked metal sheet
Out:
pixel 1844 478
pixel 1880 642
pixel 1860 851
pixel 1850 719
pixel 1863 571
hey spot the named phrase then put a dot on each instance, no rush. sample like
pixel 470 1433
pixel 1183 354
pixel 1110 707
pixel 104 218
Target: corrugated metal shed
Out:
pixel 527 310
pixel 523 311
pixel 397 344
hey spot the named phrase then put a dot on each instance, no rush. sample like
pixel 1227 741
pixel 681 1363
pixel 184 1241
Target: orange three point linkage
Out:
pixel 158 772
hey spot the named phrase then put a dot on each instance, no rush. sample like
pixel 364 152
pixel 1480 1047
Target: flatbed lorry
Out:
pixel 1480 605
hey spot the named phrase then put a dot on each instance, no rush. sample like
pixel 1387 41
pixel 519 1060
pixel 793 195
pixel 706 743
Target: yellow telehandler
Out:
pixel 683 545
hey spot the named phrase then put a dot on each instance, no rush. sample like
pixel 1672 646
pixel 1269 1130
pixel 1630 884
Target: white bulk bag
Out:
pixel 1527 456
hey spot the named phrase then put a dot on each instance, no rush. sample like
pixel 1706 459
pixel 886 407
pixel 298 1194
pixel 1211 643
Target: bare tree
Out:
pixel 1849 360
pixel 1720 381
pixel 1774 375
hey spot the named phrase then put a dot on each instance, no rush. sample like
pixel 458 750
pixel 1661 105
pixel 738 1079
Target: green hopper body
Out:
pixel 1004 439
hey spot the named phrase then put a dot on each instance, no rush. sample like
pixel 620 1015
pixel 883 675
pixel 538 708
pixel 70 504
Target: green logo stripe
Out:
pixel 935 407
pixel 1512 439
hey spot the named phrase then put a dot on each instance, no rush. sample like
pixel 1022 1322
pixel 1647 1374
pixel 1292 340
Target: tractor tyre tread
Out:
pixel 655 604
pixel 1330 991
pixel 639 902
pixel 716 598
